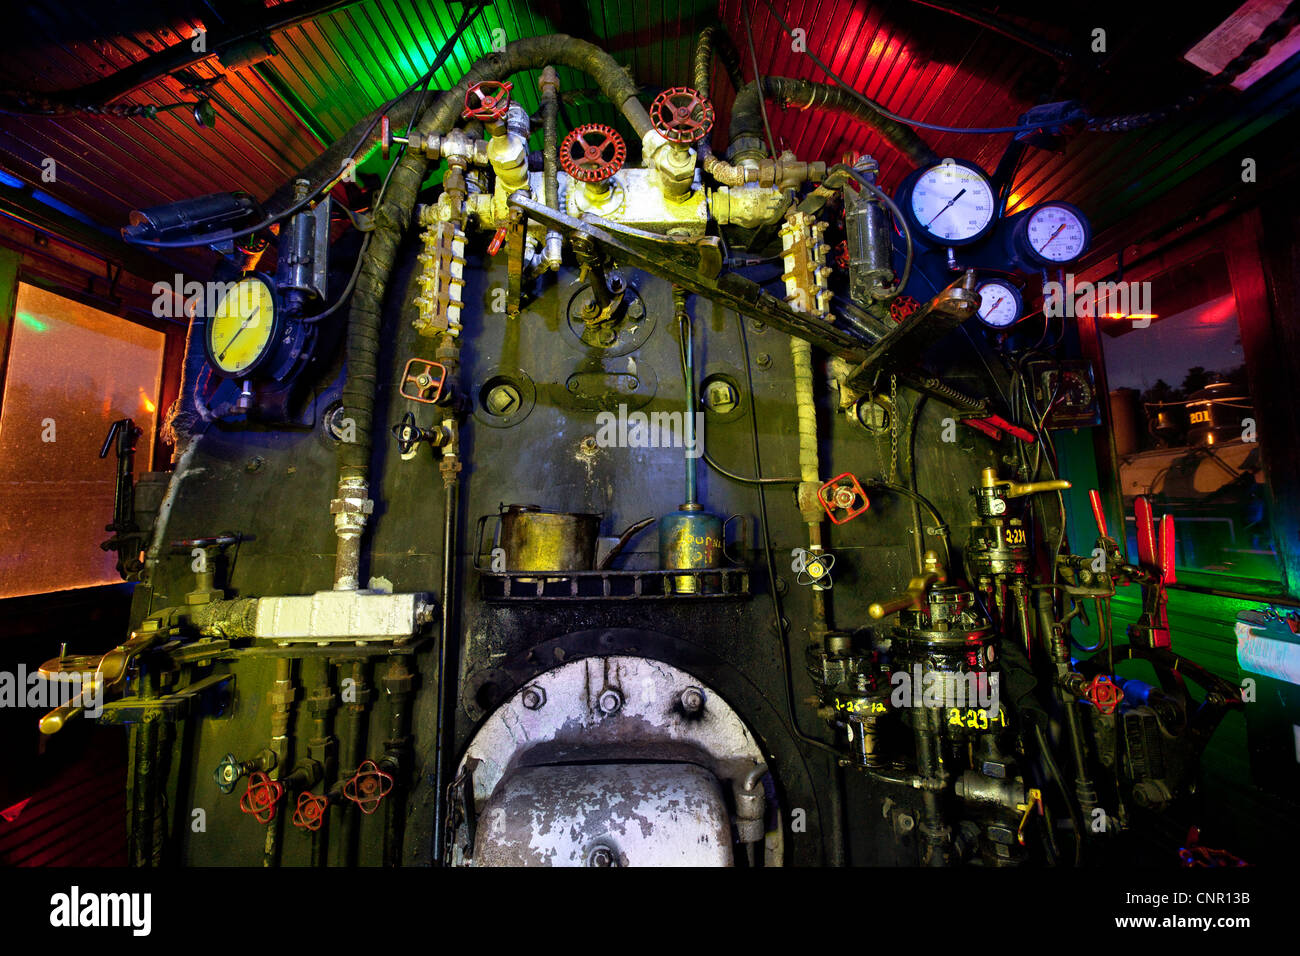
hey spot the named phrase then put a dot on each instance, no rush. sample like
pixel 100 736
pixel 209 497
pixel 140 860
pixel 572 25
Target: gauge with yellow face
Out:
pixel 241 333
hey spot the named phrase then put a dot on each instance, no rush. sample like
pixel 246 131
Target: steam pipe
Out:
pixel 398 683
pixel 354 744
pixel 747 129
pixel 550 87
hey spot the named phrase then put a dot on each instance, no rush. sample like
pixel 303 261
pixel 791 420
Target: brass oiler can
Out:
pixel 689 540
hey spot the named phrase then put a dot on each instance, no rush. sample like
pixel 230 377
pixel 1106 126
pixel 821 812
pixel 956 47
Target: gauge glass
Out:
pixel 1056 233
pixel 953 203
pixel 999 304
pixel 240 332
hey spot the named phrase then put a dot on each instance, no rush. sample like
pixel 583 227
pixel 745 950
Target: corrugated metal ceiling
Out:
pixel 332 70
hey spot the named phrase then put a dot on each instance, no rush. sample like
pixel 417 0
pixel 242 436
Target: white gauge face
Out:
pixel 953 203
pixel 999 304
pixel 1056 233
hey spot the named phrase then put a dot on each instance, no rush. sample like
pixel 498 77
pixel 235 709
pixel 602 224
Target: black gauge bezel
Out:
pixel 919 232
pixel 1020 303
pixel 272 341
pixel 1020 235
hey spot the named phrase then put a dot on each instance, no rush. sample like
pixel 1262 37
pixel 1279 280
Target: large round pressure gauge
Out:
pixel 1000 304
pixel 243 331
pixel 951 204
pixel 1053 233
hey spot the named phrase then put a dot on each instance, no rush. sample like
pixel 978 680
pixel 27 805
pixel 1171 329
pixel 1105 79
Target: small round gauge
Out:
pixel 1000 304
pixel 242 333
pixel 952 204
pixel 1053 233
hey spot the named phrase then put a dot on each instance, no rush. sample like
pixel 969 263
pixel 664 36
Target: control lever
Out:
pixel 110 675
pixel 1156 556
pixel 127 538
pixel 934 573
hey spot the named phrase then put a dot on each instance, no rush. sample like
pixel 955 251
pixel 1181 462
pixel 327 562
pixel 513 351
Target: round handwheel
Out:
pixel 487 101
pixel 310 812
pixel 260 799
pixel 681 115
pixel 592 153
pixel 368 787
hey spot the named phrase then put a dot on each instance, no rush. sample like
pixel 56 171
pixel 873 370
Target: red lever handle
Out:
pixel 310 812
pixel 1094 499
pixel 497 238
pixel 260 799
pixel 368 786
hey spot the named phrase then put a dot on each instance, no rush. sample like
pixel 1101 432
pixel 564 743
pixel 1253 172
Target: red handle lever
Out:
pixel 260 799
pixel 368 786
pixel 1094 499
pixel 499 237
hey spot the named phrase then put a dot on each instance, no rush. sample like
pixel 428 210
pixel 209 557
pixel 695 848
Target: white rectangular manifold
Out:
pixel 342 615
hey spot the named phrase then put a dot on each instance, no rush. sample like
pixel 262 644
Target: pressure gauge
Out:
pixel 1000 304
pixel 951 204
pixel 1053 233
pixel 244 331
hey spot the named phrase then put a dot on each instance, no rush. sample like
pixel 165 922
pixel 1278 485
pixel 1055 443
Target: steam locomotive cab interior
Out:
pixel 495 434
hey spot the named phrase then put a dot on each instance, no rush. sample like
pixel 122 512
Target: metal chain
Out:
pixel 893 429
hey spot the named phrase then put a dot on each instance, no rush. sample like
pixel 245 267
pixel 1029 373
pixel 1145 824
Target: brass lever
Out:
pixel 934 574
pixel 989 479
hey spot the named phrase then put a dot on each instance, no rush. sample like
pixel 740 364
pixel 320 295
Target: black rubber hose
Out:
pixel 746 130
pixel 714 40
pixel 394 215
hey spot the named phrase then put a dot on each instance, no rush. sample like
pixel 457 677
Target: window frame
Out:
pixel 1237 240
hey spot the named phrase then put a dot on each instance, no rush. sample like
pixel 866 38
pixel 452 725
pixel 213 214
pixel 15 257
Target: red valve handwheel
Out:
pixel 310 812
pixel 842 494
pixel 487 101
pixel 260 799
pixel 1104 694
pixel 902 307
pixel 592 153
pixel 422 381
pixel 681 115
pixel 368 786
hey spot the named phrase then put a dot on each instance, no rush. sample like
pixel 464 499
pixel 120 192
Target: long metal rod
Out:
pixel 446 684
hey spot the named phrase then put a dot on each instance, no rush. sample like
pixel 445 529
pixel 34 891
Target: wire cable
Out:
pixel 758 80
pixel 1073 117
pixel 467 19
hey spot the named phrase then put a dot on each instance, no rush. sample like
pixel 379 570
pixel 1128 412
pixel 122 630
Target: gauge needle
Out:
pixel 241 328
pixel 1051 237
pixel 945 208
pixel 994 307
